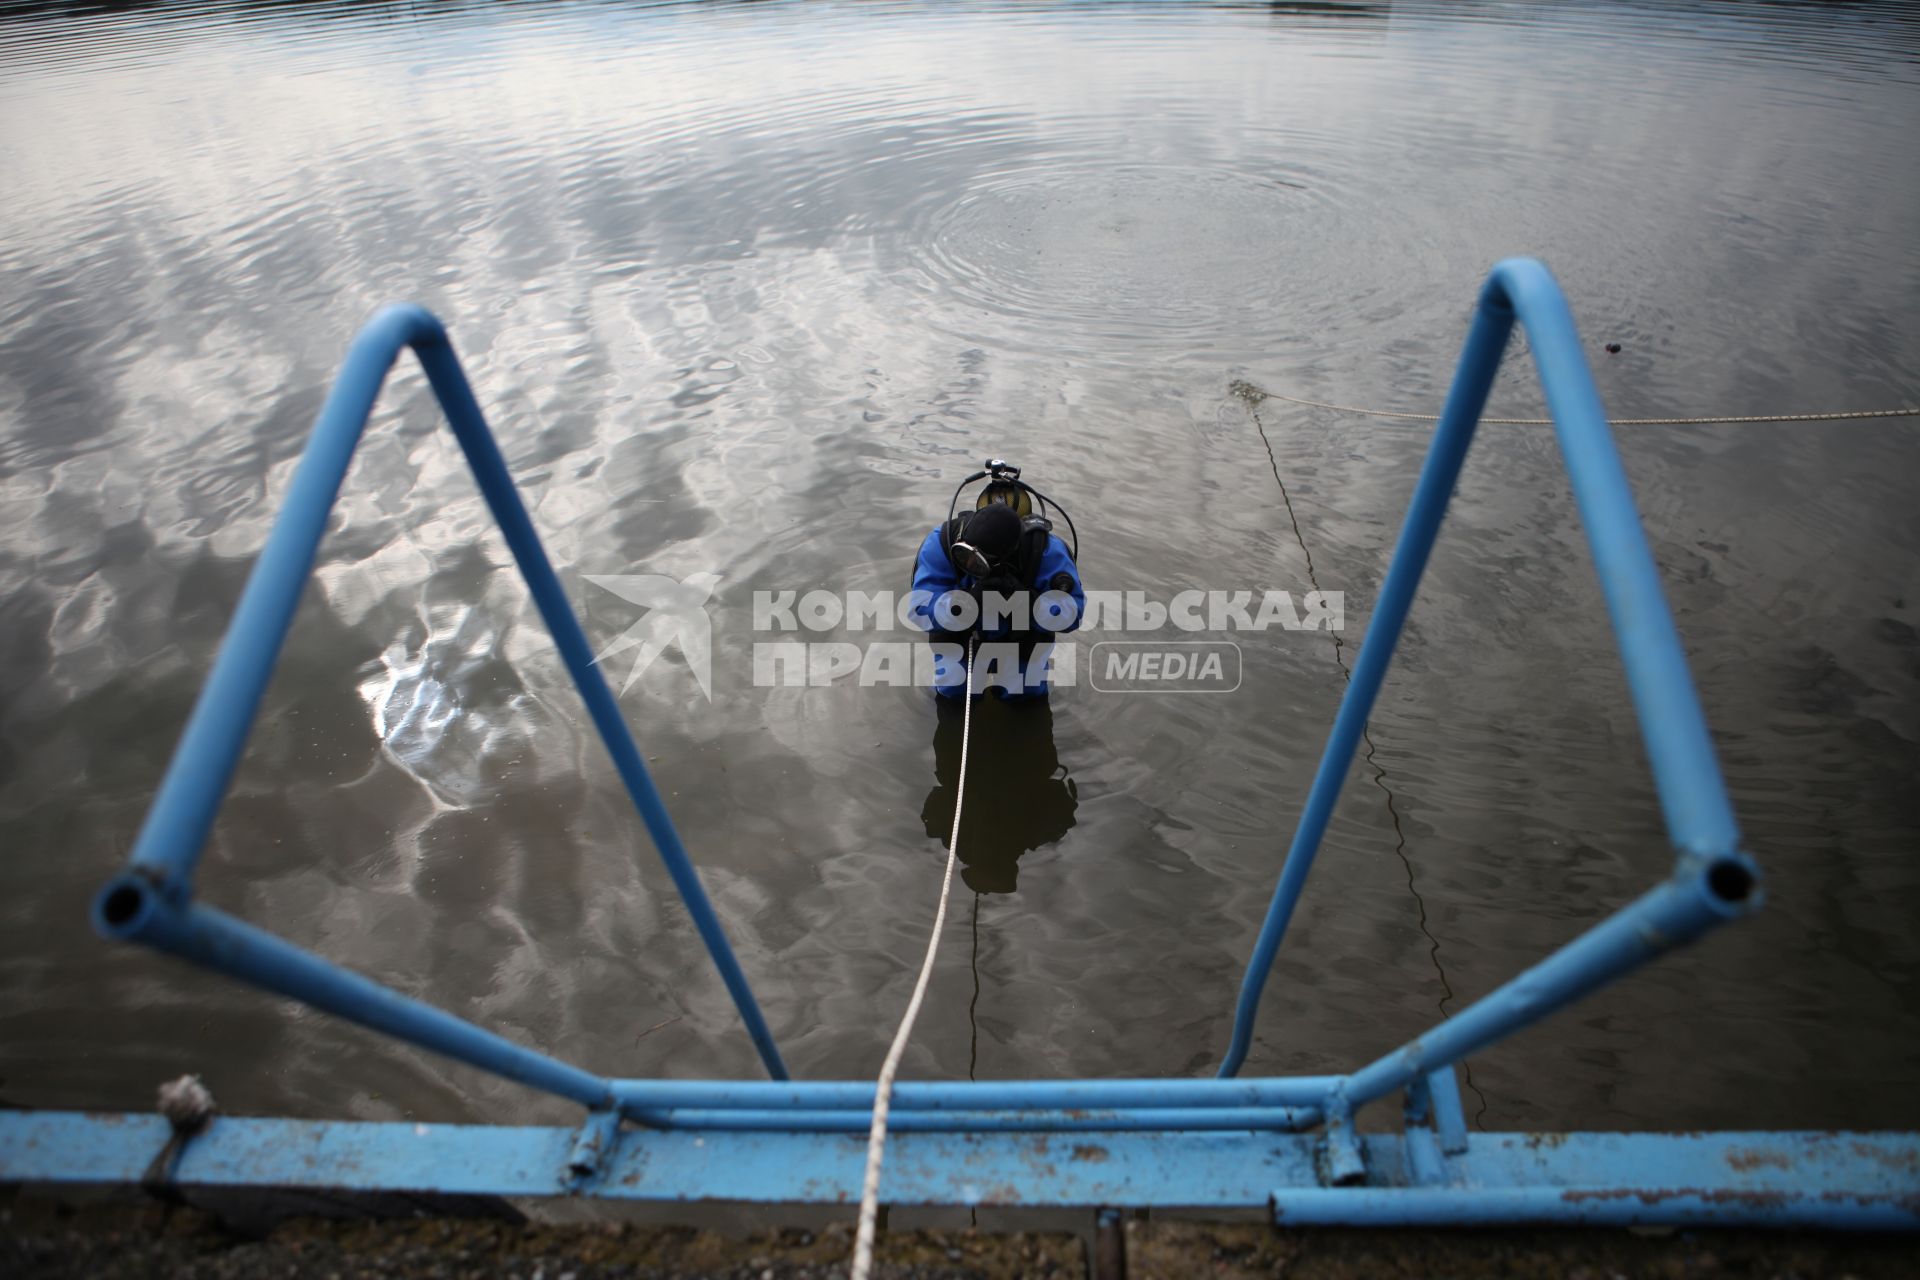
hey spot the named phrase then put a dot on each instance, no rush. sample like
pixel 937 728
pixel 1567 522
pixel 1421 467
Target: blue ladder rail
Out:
pixel 1287 1142
pixel 1714 880
pixel 153 902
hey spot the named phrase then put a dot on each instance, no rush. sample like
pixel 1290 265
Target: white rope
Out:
pixel 1247 389
pixel 883 1090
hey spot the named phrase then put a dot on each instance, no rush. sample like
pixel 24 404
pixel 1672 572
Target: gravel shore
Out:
pixel 46 1240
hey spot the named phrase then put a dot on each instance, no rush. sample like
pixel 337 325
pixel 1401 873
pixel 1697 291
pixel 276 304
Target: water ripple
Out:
pixel 745 288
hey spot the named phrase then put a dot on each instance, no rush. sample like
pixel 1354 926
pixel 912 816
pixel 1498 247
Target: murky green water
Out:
pixel 746 289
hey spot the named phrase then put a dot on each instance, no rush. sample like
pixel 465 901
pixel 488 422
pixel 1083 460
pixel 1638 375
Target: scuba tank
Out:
pixel 1005 486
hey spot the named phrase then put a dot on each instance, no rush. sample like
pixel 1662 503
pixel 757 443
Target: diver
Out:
pixel 998 575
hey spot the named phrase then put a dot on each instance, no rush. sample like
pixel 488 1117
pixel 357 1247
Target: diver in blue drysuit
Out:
pixel 1023 586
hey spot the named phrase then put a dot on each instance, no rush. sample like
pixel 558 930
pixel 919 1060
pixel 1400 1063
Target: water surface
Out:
pixel 746 289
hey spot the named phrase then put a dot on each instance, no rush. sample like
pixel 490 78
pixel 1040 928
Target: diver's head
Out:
pixel 989 542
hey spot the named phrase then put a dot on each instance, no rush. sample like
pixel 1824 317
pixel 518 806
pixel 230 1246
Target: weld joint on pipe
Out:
pixel 1345 1165
pixel 592 1145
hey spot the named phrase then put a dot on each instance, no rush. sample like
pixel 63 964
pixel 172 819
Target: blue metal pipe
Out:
pixel 182 814
pixel 1154 1119
pixel 1449 1119
pixel 1829 1177
pixel 1692 794
pixel 856 1096
pixel 592 1142
pixel 1425 1165
pixel 1699 896
pixel 1485 342
pixel 490 469
pixel 1590 1206
pixel 133 909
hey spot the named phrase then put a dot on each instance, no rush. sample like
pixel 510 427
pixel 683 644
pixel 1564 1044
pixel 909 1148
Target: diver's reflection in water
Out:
pixel 1019 796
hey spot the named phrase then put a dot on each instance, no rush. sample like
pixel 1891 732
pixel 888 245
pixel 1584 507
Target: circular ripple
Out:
pixel 1129 252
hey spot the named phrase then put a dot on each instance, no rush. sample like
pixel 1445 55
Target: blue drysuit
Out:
pixel 1020 656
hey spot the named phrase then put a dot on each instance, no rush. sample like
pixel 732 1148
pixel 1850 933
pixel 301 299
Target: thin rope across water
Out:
pixel 1618 422
pixel 883 1090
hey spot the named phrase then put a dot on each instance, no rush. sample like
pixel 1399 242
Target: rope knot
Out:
pixel 187 1104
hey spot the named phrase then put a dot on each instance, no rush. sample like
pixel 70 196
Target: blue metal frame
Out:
pixel 1221 1141
pixel 1715 880
pixel 153 903
pixel 1751 1179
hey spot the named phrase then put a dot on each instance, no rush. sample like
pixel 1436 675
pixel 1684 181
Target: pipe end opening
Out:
pixel 121 907
pixel 1731 880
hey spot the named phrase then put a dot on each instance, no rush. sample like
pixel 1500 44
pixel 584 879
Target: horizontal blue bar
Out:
pixel 971 1095
pixel 1168 1119
pixel 1636 1206
pixel 1765 1179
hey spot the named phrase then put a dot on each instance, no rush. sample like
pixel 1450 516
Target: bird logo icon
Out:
pixel 676 614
